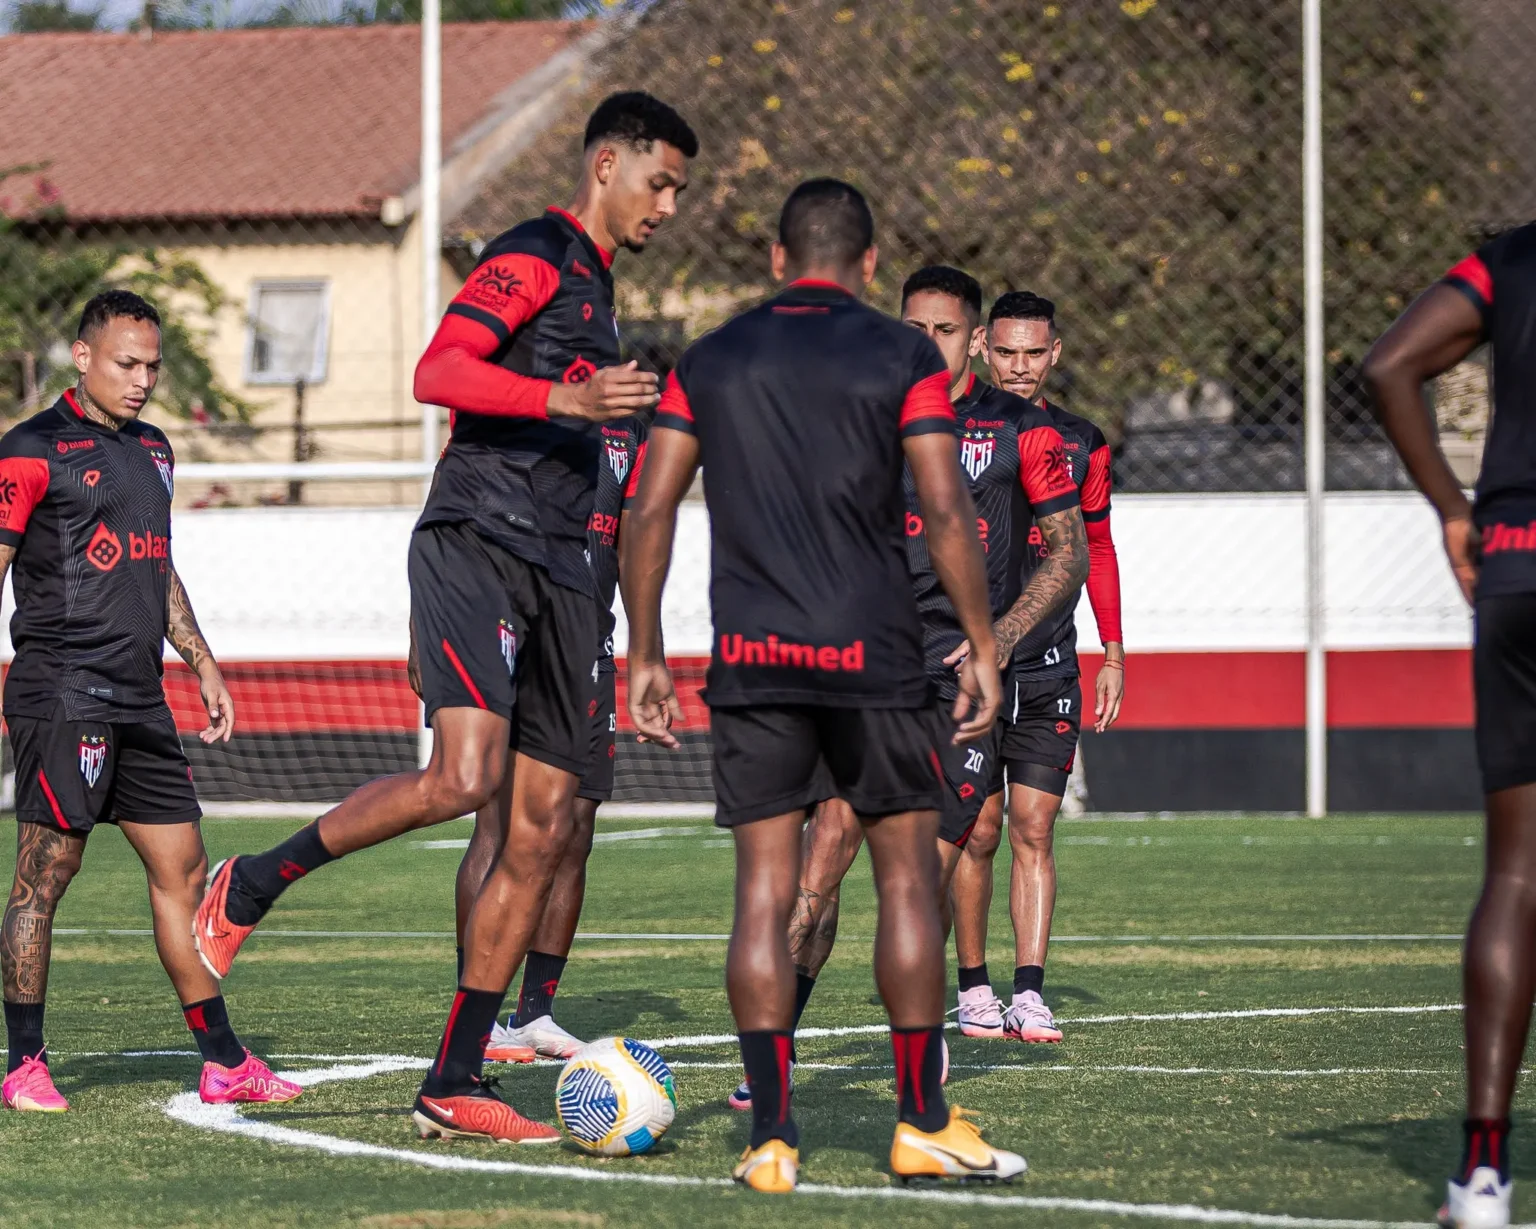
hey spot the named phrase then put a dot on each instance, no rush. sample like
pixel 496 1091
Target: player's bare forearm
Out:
pixel 45 862
pixel 182 629
pixel 1054 583
pixel 645 545
pixel 1438 330
pixel 1114 651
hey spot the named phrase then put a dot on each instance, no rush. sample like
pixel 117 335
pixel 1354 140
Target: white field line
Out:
pixel 1256 1013
pixel 664 937
pixel 187 1109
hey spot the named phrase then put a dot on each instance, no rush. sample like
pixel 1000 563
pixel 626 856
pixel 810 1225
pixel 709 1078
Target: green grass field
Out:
pixel 1349 1115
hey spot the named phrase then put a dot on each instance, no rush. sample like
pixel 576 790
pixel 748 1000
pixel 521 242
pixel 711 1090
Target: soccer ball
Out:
pixel 615 1097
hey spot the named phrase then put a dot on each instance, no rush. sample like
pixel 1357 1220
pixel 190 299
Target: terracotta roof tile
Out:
pixel 307 122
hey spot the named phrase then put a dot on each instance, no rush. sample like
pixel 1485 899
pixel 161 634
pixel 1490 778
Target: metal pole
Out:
pixel 431 240
pixel 1312 243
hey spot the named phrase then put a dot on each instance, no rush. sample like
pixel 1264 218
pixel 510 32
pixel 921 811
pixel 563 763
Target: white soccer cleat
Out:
pixel 981 1012
pixel 1482 1202
pixel 1029 1019
pixel 545 1038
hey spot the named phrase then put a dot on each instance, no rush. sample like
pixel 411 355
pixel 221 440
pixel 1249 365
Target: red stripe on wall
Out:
pixel 1368 689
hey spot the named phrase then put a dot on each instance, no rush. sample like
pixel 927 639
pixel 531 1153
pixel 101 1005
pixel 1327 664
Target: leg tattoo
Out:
pixel 45 863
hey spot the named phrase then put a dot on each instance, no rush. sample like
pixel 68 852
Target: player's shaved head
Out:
pixel 1023 305
pixel 825 223
pixel 945 279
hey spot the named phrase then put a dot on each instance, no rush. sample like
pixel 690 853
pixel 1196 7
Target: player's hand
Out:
pixel 1109 690
pixel 612 392
pixel 962 652
pixel 221 709
pixel 653 704
pixel 981 695
pixel 1462 544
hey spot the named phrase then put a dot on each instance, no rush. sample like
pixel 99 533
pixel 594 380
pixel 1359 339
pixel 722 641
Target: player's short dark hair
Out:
pixel 1022 305
pixel 826 221
pixel 114 305
pixel 945 279
pixel 638 119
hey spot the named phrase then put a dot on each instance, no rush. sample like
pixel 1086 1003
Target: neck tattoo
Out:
pixel 91 410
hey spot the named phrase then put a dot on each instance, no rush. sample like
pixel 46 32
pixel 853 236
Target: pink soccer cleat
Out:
pixel 981 1012
pixel 217 938
pixel 30 1088
pixel 1029 1019
pixel 252 1080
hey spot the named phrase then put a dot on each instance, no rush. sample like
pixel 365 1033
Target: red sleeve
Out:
pixel 927 406
pixel 1472 278
pixel 1044 473
pixel 673 410
pixel 1096 486
pixel 500 297
pixel 1104 579
pixel 633 488
pixel 23 481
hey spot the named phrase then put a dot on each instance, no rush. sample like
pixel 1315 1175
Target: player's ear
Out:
pixel 777 260
pixel 1055 349
pixel 978 346
pixel 604 164
pixel 80 351
pixel 871 259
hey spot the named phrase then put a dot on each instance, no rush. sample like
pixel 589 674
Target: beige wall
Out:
pixel 374 339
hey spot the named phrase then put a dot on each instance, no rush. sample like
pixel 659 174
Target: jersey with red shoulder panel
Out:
pixel 88 510
pixel 1014 461
pixel 800 406
pixel 1500 279
pixel 538 310
pixel 1050 651
pixel 618 478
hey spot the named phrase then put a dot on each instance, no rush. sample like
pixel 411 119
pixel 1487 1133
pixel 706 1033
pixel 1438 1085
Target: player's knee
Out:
pixel 46 878
pixel 985 838
pixel 1032 833
pixel 462 786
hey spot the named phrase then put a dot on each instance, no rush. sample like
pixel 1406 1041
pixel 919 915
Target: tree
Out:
pixel 37 16
pixel 47 274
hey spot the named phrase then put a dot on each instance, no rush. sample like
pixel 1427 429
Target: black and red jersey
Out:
pixel 800 406
pixel 88 509
pixel 1015 461
pixel 618 478
pixel 1051 650
pixel 538 310
pixel 1500 279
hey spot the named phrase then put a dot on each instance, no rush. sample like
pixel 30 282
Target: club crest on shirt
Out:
pixel 93 757
pixel 618 461
pixel 976 455
pixel 165 476
pixel 507 635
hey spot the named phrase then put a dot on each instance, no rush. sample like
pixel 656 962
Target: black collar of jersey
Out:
pixel 71 413
pixel 814 290
pixel 569 222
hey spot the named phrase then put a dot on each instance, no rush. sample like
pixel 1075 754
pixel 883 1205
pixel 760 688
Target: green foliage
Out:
pixel 46 276
pixel 1138 162
pixel 37 16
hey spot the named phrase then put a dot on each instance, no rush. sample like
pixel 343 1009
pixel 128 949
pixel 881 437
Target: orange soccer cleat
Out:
pixel 218 939
pixel 478 1114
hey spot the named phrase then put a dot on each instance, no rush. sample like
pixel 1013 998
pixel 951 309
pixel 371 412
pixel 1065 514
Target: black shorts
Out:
pixel 73 775
pixel 1504 678
pixel 1040 743
pixel 602 709
pixel 973 772
pixel 493 631
pixel 772 759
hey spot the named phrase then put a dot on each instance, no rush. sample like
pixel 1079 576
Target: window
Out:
pixel 285 339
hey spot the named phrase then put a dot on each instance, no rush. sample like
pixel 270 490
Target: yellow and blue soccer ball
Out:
pixel 615 1097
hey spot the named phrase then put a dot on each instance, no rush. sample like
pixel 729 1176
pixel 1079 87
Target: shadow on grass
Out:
pixel 614 1013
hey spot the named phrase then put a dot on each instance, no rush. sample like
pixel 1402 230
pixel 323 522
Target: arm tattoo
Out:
pixel 182 629
pixel 45 863
pixel 1054 584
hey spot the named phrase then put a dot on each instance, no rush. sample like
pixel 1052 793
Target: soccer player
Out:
pixel 503 600
pixel 1022 346
pixel 1014 460
pixel 85 517
pixel 801 411
pixel 1489 297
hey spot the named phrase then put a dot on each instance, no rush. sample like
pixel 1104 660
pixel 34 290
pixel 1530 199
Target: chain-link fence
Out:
pixel 1136 161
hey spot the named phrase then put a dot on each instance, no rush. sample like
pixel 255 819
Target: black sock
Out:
pixel 974 976
pixel 461 1057
pixel 23 1033
pixel 765 1055
pixel 216 1041
pixel 919 1070
pixel 1487 1143
pixel 541 978
pixel 1029 977
pixel 804 984
pixel 257 880
pixel 460 975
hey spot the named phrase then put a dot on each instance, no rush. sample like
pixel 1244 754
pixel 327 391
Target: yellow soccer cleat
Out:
pixel 772 1168
pixel 958 1151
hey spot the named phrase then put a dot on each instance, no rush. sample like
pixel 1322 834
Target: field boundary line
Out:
pixel 188 1110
